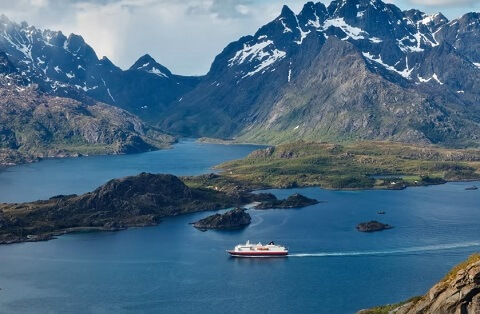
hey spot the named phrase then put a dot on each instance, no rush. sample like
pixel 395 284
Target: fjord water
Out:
pixel 56 176
pixel 176 268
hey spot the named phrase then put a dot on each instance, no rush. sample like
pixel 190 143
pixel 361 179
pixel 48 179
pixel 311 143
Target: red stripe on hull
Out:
pixel 253 254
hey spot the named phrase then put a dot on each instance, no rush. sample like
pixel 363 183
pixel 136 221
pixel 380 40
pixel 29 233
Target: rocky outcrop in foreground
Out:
pixel 372 226
pixel 293 201
pixel 458 292
pixel 141 200
pixel 236 218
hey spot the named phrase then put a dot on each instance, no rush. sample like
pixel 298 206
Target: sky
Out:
pixel 183 35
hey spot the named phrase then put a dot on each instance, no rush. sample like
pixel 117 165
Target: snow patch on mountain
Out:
pixel 248 53
pixel 406 73
pixel 286 29
pixel 375 40
pixel 290 72
pixel 406 47
pixel 434 77
pixel 351 31
pixel 110 94
pixel 157 72
pixel 271 59
pixel 316 23
pixel 257 53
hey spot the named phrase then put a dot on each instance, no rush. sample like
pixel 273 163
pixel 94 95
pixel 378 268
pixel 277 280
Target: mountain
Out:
pixel 69 67
pixel 355 70
pixel 458 292
pixel 34 124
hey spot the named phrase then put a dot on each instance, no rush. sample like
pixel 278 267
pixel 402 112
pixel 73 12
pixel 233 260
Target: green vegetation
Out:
pixel 141 200
pixel 452 273
pixel 34 125
pixel 385 309
pixel 362 165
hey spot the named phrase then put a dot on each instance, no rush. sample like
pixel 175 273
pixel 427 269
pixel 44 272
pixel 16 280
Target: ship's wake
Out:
pixel 417 249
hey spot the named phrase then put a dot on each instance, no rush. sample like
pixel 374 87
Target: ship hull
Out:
pixel 257 254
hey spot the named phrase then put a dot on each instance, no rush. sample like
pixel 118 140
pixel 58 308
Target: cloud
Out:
pixel 444 2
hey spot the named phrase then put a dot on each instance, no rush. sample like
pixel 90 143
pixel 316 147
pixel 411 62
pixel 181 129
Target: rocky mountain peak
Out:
pixel 147 64
pixel 4 19
pixel 287 12
pixel 312 14
pixel 282 83
pixel 471 17
pixel 75 42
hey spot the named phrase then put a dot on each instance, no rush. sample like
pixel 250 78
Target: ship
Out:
pixel 259 250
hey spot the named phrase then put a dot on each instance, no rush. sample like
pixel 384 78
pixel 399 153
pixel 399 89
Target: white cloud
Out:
pixel 443 2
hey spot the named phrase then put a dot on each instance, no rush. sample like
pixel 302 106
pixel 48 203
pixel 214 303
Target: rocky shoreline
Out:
pixel 457 292
pixel 141 200
pixel 373 226
pixel 233 219
pixel 293 201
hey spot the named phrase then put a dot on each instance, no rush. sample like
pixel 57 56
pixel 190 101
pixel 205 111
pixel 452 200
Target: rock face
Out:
pixel 293 201
pixel 132 201
pixel 458 292
pixel 355 70
pixel 372 226
pixel 233 219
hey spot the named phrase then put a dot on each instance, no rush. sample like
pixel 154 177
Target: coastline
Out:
pixel 4 166
pixel 240 179
pixel 55 234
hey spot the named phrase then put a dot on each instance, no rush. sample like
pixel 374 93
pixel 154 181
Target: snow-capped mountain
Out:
pixel 69 67
pixel 357 69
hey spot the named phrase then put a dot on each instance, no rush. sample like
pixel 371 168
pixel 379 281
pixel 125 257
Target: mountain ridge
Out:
pixel 69 67
pixel 35 125
pixel 415 55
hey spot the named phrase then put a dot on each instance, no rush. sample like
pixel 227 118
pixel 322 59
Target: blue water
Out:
pixel 176 268
pixel 56 176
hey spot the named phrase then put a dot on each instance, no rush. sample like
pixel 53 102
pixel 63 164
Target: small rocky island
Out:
pixel 236 218
pixel 294 201
pixel 372 226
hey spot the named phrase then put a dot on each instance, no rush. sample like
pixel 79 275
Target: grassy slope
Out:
pixel 349 166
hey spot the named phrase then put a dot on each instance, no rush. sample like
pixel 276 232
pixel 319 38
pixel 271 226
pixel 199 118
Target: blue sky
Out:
pixel 184 35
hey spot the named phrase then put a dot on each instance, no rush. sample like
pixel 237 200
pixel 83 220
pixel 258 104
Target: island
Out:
pixel 146 199
pixel 350 166
pixel 134 201
pixel 372 226
pixel 233 219
pixel 294 201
